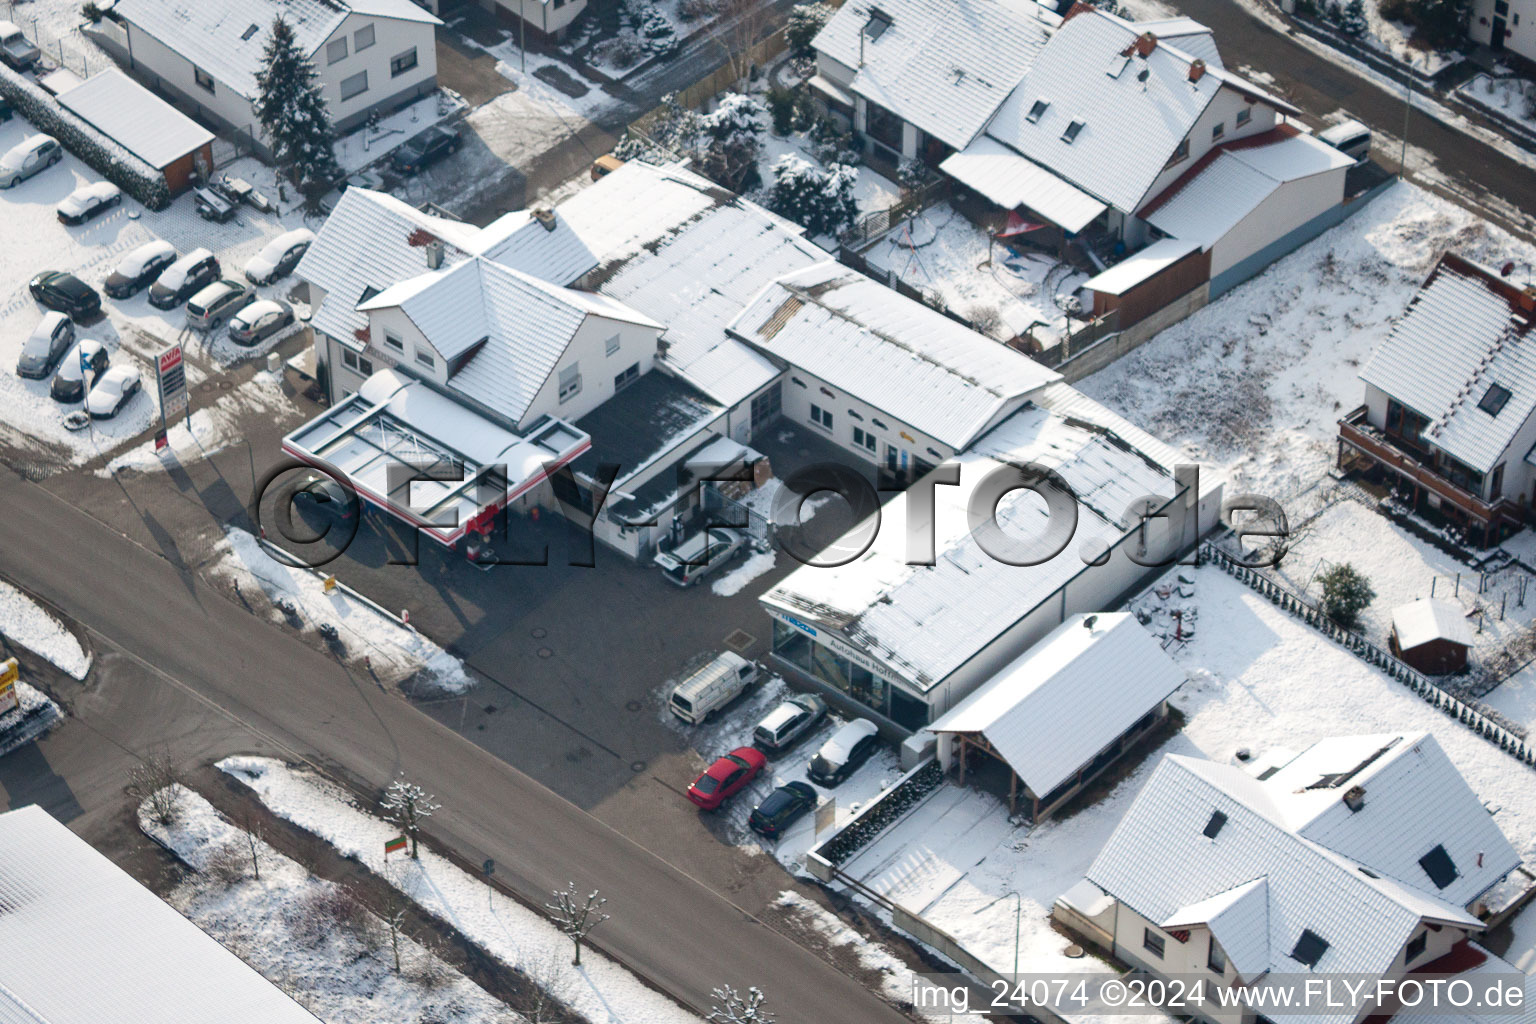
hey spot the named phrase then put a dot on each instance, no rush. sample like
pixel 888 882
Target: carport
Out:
pixel 145 125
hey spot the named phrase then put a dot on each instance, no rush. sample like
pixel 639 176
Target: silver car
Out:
pixel 27 158
pixel 217 303
pixel 699 555
pixel 46 345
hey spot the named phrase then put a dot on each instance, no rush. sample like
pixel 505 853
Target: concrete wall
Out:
pixel 1099 355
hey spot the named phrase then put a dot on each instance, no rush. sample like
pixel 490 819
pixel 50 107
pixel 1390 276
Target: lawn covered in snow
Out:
pixel 1515 98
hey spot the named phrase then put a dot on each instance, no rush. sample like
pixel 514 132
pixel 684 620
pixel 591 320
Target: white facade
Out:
pixel 1515 19
pixel 547 17
pixel 1292 204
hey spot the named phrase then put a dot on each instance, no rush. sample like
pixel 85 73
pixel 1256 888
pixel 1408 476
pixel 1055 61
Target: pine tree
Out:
pixel 1353 20
pixel 293 114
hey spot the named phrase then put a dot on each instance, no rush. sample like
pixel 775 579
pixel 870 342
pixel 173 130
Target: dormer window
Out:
pixel 1493 399
pixel 1037 111
pixel 1073 130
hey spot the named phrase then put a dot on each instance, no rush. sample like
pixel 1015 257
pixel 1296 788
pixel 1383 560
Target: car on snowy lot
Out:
pixel 844 752
pixel 782 809
pixel 45 346
pixel 29 156
pixel 426 148
pixel 15 50
pixel 695 557
pixel 279 256
pixel 1352 138
pixel 89 201
pixel 183 279
pixel 788 722
pixel 78 373
pixel 728 776
pixel 218 302
pixel 65 293
pixel 259 321
pixel 139 269
pixel 112 392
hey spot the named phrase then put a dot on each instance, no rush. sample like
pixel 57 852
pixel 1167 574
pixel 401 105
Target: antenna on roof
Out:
pixel 1089 621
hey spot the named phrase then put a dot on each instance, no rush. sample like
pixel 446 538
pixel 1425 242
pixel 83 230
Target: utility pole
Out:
pixel 1402 159
pixel 522 37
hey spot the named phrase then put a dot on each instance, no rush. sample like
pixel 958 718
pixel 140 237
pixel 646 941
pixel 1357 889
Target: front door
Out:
pixel 1496 39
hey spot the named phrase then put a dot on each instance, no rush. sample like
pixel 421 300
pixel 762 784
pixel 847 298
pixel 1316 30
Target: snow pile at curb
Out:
pixel 600 990
pixel 732 582
pixel 34 717
pixel 25 622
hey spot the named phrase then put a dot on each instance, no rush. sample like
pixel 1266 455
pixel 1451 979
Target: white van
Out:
pixel 1351 138
pixel 712 687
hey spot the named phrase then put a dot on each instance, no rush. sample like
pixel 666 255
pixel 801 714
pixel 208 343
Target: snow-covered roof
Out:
pixel 1127 127
pixel 141 122
pixel 1461 355
pixel 1200 835
pixel 923 622
pixel 943 65
pixel 1419 622
pixel 1140 265
pixel 86 943
pixel 1187 34
pixel 891 351
pixel 1009 180
pixel 1068 697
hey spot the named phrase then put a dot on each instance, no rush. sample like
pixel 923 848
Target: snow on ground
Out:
pixel 305 934
pixel 600 990
pixel 213 428
pixel 1515 98
pixel 395 651
pixel 732 582
pixel 23 621
pixel 359 148
pixel 941 252
pixel 34 714
pixel 873 191
pixel 521 70
pixel 1396 40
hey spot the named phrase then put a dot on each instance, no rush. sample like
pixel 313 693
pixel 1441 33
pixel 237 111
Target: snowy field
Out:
pixel 600 990
pixel 1515 98
pixel 23 621
pixel 395 652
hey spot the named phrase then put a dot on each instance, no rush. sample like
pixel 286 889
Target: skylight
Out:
pixel 1037 111
pixel 246 35
pixel 1437 864
pixel 1493 399
pixel 1309 948
pixel 1070 135
pixel 1117 64
pixel 1213 826
pixel 878 22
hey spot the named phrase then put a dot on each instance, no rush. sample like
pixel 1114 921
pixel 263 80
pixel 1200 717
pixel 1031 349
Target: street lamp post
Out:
pixel 1018 914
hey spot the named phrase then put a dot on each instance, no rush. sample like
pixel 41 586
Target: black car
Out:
pixel 427 148
pixel 183 279
pixel 65 293
pixel 139 269
pixel 318 493
pixel 782 809
pixel 80 369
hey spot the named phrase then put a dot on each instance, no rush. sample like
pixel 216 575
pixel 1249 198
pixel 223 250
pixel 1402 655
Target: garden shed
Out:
pixel 145 125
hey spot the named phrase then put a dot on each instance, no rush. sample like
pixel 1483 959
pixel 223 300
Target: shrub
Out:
pixel 691 10
pixel 1346 593
pixel 92 13
pixel 805 20
pixel 820 200
pixel 781 108
pixel 1353 20
pixel 732 137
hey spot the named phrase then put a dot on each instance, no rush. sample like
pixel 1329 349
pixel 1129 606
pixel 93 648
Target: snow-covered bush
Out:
pixel 1352 20
pixel 1346 593
pixel 820 200
pixel 805 20
pixel 831 144
pixel 732 136
pixel 293 114
pixel 672 133
pixel 99 150
pixel 622 51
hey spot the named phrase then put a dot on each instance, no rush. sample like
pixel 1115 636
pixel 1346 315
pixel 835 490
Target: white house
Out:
pixel 369 55
pixel 1504 24
pixel 1363 854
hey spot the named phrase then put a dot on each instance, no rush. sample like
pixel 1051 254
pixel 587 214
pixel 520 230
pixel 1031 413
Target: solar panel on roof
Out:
pixel 1437 864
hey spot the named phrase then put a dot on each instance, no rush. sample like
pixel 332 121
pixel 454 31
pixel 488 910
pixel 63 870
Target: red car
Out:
pixel 725 778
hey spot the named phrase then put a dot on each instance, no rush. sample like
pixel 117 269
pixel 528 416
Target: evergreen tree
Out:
pixel 819 200
pixel 293 114
pixel 1353 19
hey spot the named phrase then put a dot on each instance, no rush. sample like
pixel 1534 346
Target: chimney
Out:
pixel 545 216
pixel 1354 798
pixel 1145 44
pixel 434 255
pixel 1196 70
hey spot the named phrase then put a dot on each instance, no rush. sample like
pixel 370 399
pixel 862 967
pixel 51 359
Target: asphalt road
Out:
pixel 207 673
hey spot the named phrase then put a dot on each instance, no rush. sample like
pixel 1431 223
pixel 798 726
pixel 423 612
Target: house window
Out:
pixel 336 50
pixel 356 362
pixel 1415 948
pixel 882 126
pixel 400 63
pixel 627 377
pixel 390 341
pixel 1493 399
pixel 1309 948
pixel 1181 153
pixel 1218 130
pixel 1438 866
pixel 424 358
pixel 1215 959
pixel 362 39
pixel 767 406
pixel 356 85
pixel 1501 8
pixel 864 439
pixel 821 417
pixel 559 4
pixel 611 345
pixel 202 78
pixel 1153 943
pixel 1244 116
pixel 570 381
pixel 1404 421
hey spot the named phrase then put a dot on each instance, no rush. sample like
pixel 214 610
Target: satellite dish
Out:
pixel 1143 74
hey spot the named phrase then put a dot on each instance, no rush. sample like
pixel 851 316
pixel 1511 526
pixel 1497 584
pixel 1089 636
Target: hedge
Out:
pixel 86 141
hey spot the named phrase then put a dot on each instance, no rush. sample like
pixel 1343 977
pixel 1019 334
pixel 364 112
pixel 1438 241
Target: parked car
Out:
pixel 279 256
pixel 15 50
pixel 318 493
pixel 65 293
pixel 699 555
pixel 789 721
pixel 83 365
pixel 712 687
pixel 259 321
pixel 114 390
pixel 89 201
pixel 183 279
pixel 426 148
pixel 844 752
pixel 29 156
pixel 1352 138
pixel 725 778
pixel 605 165
pixel 217 302
pixel 45 346
pixel 139 268
pixel 782 809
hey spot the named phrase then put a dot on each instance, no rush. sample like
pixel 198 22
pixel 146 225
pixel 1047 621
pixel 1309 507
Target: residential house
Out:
pixel 1449 418
pixel 1362 855
pixel 547 20
pixel 1504 25
pixel 370 56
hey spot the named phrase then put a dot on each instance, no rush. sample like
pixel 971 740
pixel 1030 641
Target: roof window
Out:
pixel 1213 827
pixel 246 35
pixel 1437 864
pixel 1073 130
pixel 878 22
pixel 1037 111
pixel 1117 64
pixel 1309 948
pixel 1493 399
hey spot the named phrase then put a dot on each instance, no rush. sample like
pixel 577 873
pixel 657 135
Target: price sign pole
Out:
pixel 171 375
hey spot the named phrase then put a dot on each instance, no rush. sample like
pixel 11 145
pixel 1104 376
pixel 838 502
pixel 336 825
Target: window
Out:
pixel 864 439
pixel 202 78
pixel 877 423
pixel 853 415
pixel 627 377
pixel 883 126
pixel 821 417
pixel 1070 135
pixel 797 380
pixel 1244 116
pixel 356 85
pixel 1037 111
pixel 570 381
pixel 400 63
pixel 1117 64
pixel 1153 943
pixel 250 31
pixel 1181 153
pixel 362 39
pixel 767 406
pixel 877 24
pixel 1415 948
pixel 1213 826
pixel 1218 130
pixel 1215 959
pixel 356 362
pixel 1496 482
pixel 1309 948
pixel 390 341
pixel 1501 8
pixel 559 4
pixel 424 358
pixel 1438 866
pixel 336 50
pixel 1493 399
pixel 611 345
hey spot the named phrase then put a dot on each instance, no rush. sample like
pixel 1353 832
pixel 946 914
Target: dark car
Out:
pixel 65 293
pixel 317 493
pixel 183 279
pixel 782 809
pixel 81 368
pixel 139 269
pixel 842 755
pixel 427 148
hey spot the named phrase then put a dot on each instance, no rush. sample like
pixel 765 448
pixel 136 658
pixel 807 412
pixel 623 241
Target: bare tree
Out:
pixel 156 781
pixel 254 838
pixel 577 915
pixel 408 805
pixel 393 908
pixel 746 25
pixel 732 1007
pixel 553 987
